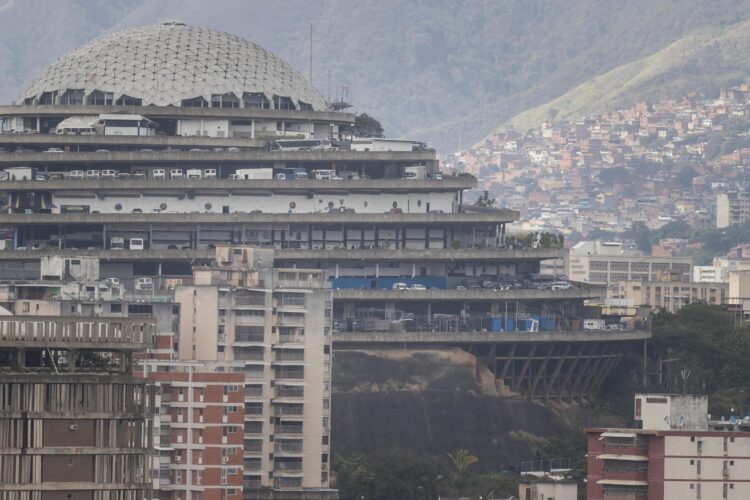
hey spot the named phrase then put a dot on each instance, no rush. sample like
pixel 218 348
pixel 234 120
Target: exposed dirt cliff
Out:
pixel 435 401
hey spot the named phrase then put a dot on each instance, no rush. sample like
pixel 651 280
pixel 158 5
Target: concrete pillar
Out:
pixel 72 358
pixel 252 129
pixel 348 310
pixel 21 359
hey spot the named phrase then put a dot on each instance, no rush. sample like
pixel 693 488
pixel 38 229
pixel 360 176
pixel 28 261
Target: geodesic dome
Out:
pixel 173 64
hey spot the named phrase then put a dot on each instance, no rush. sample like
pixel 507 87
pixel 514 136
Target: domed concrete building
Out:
pixel 173 64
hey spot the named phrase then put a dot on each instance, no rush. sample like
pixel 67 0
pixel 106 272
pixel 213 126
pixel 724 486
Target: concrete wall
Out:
pixel 199 320
pixel 204 127
pixel 267 203
pixel 672 411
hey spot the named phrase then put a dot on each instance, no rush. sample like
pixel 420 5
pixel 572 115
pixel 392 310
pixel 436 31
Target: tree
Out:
pixel 367 126
pixel 485 201
pixel 389 475
pixel 461 460
pixel 686 175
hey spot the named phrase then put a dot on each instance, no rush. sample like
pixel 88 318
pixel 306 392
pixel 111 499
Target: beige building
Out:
pixel 277 322
pixel 732 208
pixel 603 262
pixel 670 295
pixel 548 489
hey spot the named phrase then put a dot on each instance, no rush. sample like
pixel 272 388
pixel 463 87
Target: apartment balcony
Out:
pixel 290 374
pixel 283 429
pixel 249 320
pixel 297 320
pixel 292 467
pixel 284 410
pixel 242 339
pixel 288 447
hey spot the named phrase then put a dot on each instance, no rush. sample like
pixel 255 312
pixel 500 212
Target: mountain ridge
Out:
pixel 446 72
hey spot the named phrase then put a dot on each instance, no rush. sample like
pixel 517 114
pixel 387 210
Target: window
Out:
pixel 115 308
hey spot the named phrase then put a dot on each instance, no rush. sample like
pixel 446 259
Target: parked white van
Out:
pixel 175 173
pixel 158 174
pixel 136 244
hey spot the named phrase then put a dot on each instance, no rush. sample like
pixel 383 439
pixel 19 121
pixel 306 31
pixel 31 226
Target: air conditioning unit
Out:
pixel 225 460
pixel 178 459
pixel 73 427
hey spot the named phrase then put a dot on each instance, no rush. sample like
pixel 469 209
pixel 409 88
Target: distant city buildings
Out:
pixel 651 163
pixel 604 262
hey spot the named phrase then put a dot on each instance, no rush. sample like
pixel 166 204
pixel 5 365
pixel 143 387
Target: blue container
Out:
pixel 501 325
pixel 546 323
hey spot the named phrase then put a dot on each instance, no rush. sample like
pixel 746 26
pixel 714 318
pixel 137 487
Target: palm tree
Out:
pixel 461 461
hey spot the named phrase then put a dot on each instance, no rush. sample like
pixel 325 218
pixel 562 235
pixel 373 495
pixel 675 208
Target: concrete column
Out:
pixel 377 270
pixel 348 310
pixel 252 129
pixel 72 358
pixel 21 359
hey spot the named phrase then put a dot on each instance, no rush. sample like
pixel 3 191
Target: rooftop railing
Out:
pixel 45 330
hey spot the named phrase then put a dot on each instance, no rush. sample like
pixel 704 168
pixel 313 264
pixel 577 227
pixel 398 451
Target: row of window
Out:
pixel 250 100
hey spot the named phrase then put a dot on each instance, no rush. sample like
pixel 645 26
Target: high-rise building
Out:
pixel 732 208
pixel 199 430
pixel 276 324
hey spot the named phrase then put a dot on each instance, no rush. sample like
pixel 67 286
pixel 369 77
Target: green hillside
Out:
pixel 698 63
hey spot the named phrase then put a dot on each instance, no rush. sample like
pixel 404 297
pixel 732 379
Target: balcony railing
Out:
pixel 290 392
pixel 46 330
pixel 284 410
pixel 288 429
pixel 288 447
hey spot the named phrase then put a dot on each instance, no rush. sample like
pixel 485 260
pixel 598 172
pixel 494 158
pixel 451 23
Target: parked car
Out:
pixel 92 174
pixel 461 288
pixel 123 175
pixel 400 286
pixel 233 150
pixel 140 174
pixel 103 151
pixel 417 286
pixel 76 174
pixel 109 174
pixel 54 150
pixel 159 174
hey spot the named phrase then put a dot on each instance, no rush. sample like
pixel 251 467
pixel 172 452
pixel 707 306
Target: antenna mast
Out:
pixel 311 50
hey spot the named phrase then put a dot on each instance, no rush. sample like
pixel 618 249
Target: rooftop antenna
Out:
pixel 311 51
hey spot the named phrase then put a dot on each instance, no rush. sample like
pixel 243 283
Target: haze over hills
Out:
pixel 444 71
pixel 698 63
